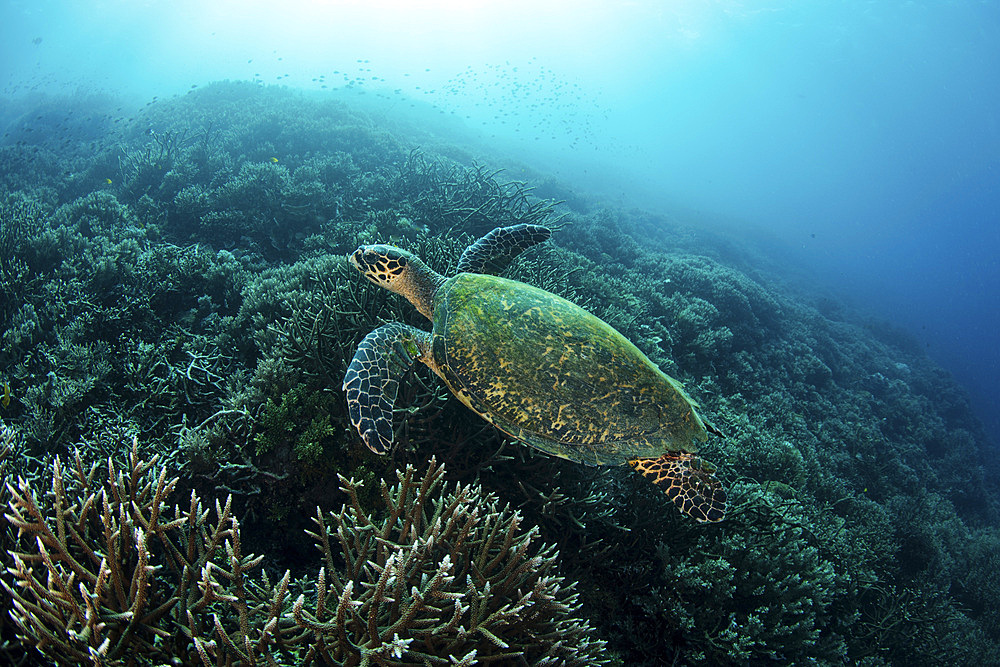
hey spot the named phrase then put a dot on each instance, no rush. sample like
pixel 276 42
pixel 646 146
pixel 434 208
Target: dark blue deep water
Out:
pixel 793 207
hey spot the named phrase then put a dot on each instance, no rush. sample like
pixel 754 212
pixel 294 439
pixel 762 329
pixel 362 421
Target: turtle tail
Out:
pixel 689 482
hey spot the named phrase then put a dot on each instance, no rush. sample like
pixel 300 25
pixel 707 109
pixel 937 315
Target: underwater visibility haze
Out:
pixel 791 208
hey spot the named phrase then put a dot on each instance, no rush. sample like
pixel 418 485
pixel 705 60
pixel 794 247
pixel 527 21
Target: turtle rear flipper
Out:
pixel 372 379
pixel 495 251
pixel 689 482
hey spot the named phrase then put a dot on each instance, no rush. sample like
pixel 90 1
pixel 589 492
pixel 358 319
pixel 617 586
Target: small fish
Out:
pixel 108 181
pixel 274 159
pixel 5 400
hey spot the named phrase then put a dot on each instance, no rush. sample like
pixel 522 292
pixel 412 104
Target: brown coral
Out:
pixel 441 578
pixel 104 572
pixel 93 565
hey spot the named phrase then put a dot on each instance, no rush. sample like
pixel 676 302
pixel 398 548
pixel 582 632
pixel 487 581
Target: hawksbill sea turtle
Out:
pixel 538 367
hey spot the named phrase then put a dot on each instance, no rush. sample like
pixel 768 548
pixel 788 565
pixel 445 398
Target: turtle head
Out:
pixel 385 265
pixel 399 271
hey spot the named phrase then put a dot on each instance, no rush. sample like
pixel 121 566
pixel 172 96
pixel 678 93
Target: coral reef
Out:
pixel 200 302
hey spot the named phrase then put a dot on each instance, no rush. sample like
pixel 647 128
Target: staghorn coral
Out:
pixel 103 572
pixel 93 562
pixel 441 578
pixel 12 462
pixel 141 170
pixel 18 214
pixel 453 197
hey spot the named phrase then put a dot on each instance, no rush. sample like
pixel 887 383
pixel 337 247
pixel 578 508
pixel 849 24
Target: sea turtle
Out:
pixel 538 367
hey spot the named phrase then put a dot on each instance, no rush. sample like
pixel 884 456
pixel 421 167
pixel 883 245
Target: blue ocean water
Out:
pixel 861 140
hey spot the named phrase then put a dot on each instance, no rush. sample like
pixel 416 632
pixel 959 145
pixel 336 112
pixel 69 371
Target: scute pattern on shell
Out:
pixel 555 376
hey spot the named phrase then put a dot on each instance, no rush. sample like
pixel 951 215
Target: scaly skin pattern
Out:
pixel 689 482
pixel 554 376
pixel 372 379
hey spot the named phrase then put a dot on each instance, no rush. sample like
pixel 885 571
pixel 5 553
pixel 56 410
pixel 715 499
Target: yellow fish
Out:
pixel 5 401
pixel 108 181
pixel 274 159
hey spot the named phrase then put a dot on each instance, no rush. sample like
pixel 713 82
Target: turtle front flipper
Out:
pixel 372 379
pixel 689 482
pixel 494 252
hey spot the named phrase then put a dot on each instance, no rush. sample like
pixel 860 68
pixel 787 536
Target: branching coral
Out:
pixel 88 569
pixel 8 466
pixel 455 198
pixel 102 575
pixel 442 577
pixel 301 418
pixel 18 215
pixel 921 622
pixel 141 170
pixel 104 572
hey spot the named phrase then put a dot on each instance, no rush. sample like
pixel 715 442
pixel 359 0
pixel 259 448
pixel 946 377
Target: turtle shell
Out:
pixel 554 376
